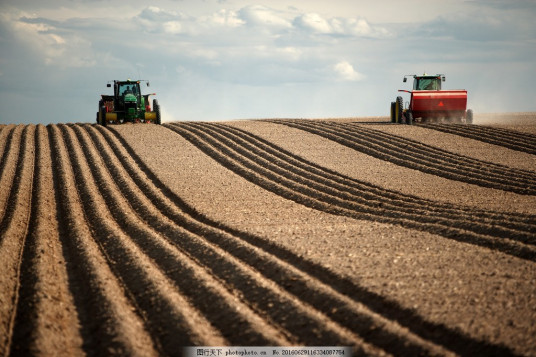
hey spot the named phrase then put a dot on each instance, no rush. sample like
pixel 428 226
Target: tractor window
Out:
pixel 427 84
pixel 128 88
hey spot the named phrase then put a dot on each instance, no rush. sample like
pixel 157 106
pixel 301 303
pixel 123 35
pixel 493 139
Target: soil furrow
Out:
pixel 284 312
pixel 235 245
pixel 5 139
pixel 108 322
pixel 216 303
pixel 265 296
pixel 404 317
pixel 431 155
pixel 41 326
pixel 310 196
pixel 404 156
pixel 440 156
pixel 13 230
pixel 369 190
pixel 268 302
pixel 346 188
pixel 503 137
pixel 8 167
pixel 107 247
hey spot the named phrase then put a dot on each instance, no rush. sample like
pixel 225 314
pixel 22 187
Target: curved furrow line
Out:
pixel 310 196
pixel 13 232
pixel 510 139
pixel 5 139
pixel 8 167
pixel 108 323
pixel 347 188
pixel 148 249
pixel 388 151
pixel 429 152
pixel 404 156
pixel 269 299
pixel 281 307
pixel 138 250
pixel 440 158
pixel 343 199
pixel 43 278
pixel 308 281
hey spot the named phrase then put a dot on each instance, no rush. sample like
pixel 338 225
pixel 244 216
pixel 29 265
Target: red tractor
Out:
pixel 428 103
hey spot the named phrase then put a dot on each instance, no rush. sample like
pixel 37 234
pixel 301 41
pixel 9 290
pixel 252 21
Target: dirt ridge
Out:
pixel 101 258
pixel 412 154
pixel 303 189
pixel 437 333
pixel 43 276
pixel 188 273
pixel 376 194
pixel 270 305
pixel 248 253
pixel 14 228
pixel 511 139
pixel 108 322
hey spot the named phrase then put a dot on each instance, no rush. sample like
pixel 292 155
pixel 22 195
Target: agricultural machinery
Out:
pixel 429 103
pixel 127 104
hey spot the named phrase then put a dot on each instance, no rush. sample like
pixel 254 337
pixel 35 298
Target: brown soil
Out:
pixel 392 239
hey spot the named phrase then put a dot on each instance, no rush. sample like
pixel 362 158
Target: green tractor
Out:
pixel 127 105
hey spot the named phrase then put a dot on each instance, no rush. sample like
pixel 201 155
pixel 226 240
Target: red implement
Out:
pixel 428 102
pixel 438 103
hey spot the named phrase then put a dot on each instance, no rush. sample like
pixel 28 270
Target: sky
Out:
pixel 240 59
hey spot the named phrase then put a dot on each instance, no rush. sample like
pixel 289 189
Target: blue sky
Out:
pixel 236 59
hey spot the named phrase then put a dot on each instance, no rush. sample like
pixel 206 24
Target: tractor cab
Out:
pixel 426 82
pixel 122 89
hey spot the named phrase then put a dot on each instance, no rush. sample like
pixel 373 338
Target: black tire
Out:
pixel 393 120
pixel 156 109
pixel 99 112
pixel 469 117
pixel 409 117
pixel 399 109
pixel 103 116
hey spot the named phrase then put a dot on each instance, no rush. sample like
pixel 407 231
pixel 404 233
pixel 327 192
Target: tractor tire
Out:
pixel 103 116
pixel 409 117
pixel 393 120
pixel 469 117
pixel 156 108
pixel 399 109
pixel 99 112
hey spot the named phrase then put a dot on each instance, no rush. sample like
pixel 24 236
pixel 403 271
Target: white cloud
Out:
pixel 172 27
pixel 339 26
pixel 155 20
pixel 224 17
pixel 346 72
pixel 314 22
pixel 53 46
pixel 258 15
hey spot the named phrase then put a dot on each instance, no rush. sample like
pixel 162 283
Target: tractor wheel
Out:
pixel 399 108
pixel 409 117
pixel 103 116
pixel 469 117
pixel 156 108
pixel 99 112
pixel 393 119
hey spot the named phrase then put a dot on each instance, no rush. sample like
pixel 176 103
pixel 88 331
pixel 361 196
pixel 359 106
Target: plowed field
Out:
pixel 392 239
